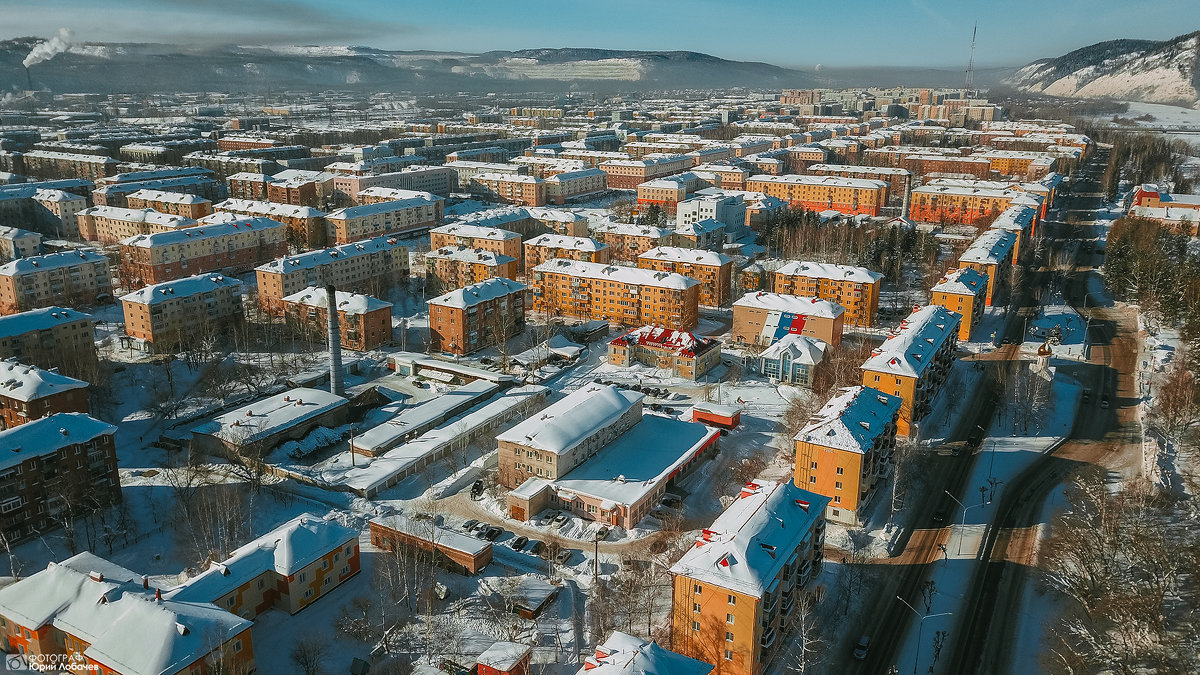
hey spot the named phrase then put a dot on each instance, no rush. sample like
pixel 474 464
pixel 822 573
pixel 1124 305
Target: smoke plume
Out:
pixel 50 48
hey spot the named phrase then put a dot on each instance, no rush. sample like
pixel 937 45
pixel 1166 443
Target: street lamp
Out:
pixel 962 530
pixel 920 629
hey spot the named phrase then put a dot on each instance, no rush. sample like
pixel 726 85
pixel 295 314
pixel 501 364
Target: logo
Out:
pixel 46 663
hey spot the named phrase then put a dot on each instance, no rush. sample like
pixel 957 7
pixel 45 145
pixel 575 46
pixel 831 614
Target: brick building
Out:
pixel 381 219
pixel 898 180
pixel 509 188
pixel 175 203
pixel 548 246
pixel 28 393
pixel 714 271
pixel 628 241
pixel 914 362
pixel 851 196
pixel 365 323
pixel 856 289
pixel 453 267
pixel 566 186
pixel 627 174
pixel 234 246
pixel 372 265
pixel 111 224
pixel 477 316
pixel 306 227
pixel 679 353
pixel 762 318
pixel 52 338
pixel 166 316
pixel 80 277
pixel 624 295
pixel 493 239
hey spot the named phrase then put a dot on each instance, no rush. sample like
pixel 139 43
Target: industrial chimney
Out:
pixel 28 79
pixel 335 342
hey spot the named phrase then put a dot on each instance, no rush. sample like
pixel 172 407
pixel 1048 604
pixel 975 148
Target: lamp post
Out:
pixel 963 527
pixel 920 629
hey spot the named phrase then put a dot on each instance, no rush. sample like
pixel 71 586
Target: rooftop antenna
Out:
pixel 971 61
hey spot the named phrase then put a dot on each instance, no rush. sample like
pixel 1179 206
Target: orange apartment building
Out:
pixel 1021 164
pixel 852 196
pixel 288 568
pixel 174 203
pixel 734 591
pixel 371 265
pixel 102 618
pixel 728 177
pixel 898 180
pixel 491 239
pixel 232 245
pixel 79 277
pixel 380 219
pixel 1046 188
pixel 365 323
pixel 50 337
pixel 627 174
pixel 963 291
pixel 761 318
pixel 548 246
pixel 628 241
pixel 29 393
pixel 453 267
pixel 510 188
pixel 962 205
pixel 845 451
pixel 111 224
pixel 946 165
pixel 306 227
pixel 800 158
pixel 161 317
pixel 914 361
pixel 856 289
pixel 991 254
pixel 662 192
pixel 623 295
pixel 68 453
pixel 248 186
pixel 477 316
pixel 714 271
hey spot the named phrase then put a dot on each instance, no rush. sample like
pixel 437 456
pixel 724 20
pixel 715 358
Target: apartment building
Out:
pixel 898 179
pixel 948 166
pixel 28 393
pixel 991 254
pixel 723 208
pixel 627 174
pixel 675 352
pixel 51 338
pixel 365 323
pixel 845 451
pixel 288 568
pixel 50 460
pixel 377 219
pixel 248 186
pixel 624 295
pixel 375 195
pixel 914 362
pixel 1045 188
pixel 111 224
pixel 17 243
pixel 567 186
pixel 964 205
pixel 509 188
pixel 734 592
pixel 477 316
pixel 1024 164
pixel 306 227
pixel 664 193
pixel 62 208
pixel 963 291
pixel 439 180
pixel 852 196
pixel 231 245
pixel 714 271
pixel 453 267
pixel 628 241
pixel 49 164
pixel 548 246
pixel 763 318
pixel 372 265
pixel 491 239
pixel 174 203
pixel 79 276
pixel 856 289
pixel 165 316
pixel 726 176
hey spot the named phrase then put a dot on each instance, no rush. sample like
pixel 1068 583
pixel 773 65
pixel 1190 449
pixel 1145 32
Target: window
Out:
pixel 261 582
pixel 345 570
pixel 328 580
pixel 229 602
pixel 729 619
pixel 837 485
pixel 732 599
pixel 695 607
pixel 728 636
pixel 837 500
pixel 308 594
pixel 695 625
pixel 728 655
pixel 237 646
pixel 812 479
pixel 812 465
pixel 696 588
pixel 840 471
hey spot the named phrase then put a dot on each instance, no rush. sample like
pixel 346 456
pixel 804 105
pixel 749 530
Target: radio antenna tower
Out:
pixel 971 61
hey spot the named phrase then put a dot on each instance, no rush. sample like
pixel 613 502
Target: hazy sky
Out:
pixel 800 33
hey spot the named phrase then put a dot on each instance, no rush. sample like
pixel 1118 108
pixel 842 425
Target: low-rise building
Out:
pixel 679 353
pixel 624 295
pixel 734 593
pixel 79 276
pixel 17 243
pixel 566 186
pixel 365 323
pixel 453 549
pixel 964 291
pixel 702 234
pixel 793 359
pixel 453 267
pixel 166 316
pixel 845 451
pixel 28 393
pixel 914 362
pixel 714 271
pixel 761 318
pixel 964 205
pixel 306 225
pixel 548 246
pixel 372 266
pixel 111 224
pixel 727 209
pixel 509 188
pixel 628 241
pixel 255 429
pixel 856 289
pixel 627 174
pixel 623 654
pixel 175 203
pixel 229 244
pixel 51 337
pixel 480 315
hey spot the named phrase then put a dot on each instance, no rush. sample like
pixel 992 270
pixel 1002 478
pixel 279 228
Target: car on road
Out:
pixel 563 556
pixel 536 547
pixel 470 524
pixel 939 516
pixel 1087 395
pixel 1104 402
pixel 861 647
pixel 1006 341
pixel 518 543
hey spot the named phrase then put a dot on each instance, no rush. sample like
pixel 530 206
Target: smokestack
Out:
pixel 28 79
pixel 335 342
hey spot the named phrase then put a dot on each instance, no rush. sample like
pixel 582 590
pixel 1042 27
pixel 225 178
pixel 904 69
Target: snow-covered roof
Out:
pixel 631 230
pixel 47 195
pixel 569 421
pixel 476 232
pixel 1016 218
pixel 559 241
pixel 851 420
pixel 44 318
pixel 250 176
pixel 397 194
pixel 830 271
pixel 325 256
pixel 285 550
pixel 368 210
pixel 443 537
pixel 181 288
pixel 627 275
pixel 749 543
pixel 504 656
pixel 962 281
pixel 488 289
pixel 167 197
pixel 798 348
pixel 211 227
pixel 257 208
pixel 28 383
pixel 547 214
pixel 970 183
pixel 574 175
pixel 468 254
pixel 347 302
pixel 828 181
pixel 17 233
pixel 623 654
pixel 50 261
pixel 881 170
pixel 422 416
pixel 678 342
pixel 126 628
pixel 990 248
pixel 263 418
pixel 1166 213
pixel 700 227
pixel 791 303
pixel 693 256
pixel 909 349
pixel 138 215
pixel 48 435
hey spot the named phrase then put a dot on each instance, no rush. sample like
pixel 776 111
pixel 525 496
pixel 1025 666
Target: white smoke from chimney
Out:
pixel 50 48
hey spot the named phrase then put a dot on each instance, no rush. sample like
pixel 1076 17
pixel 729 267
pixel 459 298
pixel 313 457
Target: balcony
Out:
pixel 768 638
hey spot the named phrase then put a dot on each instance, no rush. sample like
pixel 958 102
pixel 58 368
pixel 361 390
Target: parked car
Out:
pixel 487 360
pixel 563 556
pixel 481 527
pixel 655 406
pixel 476 489
pixel 860 648
pixel 1104 402
pixel 672 501
pixel 536 547
pixel 1087 395
pixel 602 533
pixel 492 533
pixel 519 542
pixel 470 525
pixel 546 518
pixel 669 410
pixel 559 518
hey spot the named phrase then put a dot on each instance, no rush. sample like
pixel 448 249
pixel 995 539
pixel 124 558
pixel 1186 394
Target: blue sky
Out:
pixel 799 33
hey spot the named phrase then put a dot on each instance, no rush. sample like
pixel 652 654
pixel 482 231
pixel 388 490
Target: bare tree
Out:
pixel 309 653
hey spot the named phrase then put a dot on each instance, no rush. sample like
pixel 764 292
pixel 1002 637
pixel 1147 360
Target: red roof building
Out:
pixel 681 353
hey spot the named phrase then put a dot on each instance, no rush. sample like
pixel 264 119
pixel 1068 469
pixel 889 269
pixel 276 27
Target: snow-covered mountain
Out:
pixel 1130 70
